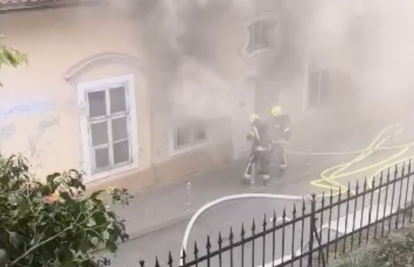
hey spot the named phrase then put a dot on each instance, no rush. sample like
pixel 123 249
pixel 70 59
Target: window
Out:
pixel 261 35
pixel 188 137
pixel 106 124
pixel 318 88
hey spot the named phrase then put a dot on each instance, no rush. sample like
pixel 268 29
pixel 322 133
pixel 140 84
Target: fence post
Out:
pixel 311 230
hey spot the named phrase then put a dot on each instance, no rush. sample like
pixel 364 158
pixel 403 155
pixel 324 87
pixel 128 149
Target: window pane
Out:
pixel 199 134
pixel 121 152
pixel 97 104
pixel 182 136
pixel 101 158
pixel 268 35
pixel 119 129
pixel 258 33
pixel 251 34
pixel 99 133
pixel 118 99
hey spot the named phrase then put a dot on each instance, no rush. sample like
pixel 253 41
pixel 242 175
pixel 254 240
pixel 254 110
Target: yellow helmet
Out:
pixel 253 117
pixel 276 111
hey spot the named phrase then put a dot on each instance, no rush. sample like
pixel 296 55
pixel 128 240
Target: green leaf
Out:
pixel 3 257
pixel 68 264
pixel 91 222
pixel 23 205
pixel 15 239
pixel 106 235
pixel 96 193
pixel 95 241
pixel 111 246
pixel 51 178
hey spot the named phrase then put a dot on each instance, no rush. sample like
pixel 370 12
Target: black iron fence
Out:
pixel 314 232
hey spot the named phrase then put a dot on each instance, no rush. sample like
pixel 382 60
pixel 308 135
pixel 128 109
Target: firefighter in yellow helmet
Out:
pixel 261 148
pixel 279 130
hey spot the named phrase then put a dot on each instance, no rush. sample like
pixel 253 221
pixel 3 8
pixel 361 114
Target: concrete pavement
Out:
pixel 167 205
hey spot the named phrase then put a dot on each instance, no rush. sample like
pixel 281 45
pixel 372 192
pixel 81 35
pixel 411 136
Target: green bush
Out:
pixel 53 223
pixel 397 251
pixel 364 260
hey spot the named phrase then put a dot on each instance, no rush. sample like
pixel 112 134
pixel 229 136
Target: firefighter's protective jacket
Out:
pixel 279 127
pixel 258 134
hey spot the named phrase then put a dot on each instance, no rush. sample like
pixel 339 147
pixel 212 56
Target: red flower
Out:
pixel 53 197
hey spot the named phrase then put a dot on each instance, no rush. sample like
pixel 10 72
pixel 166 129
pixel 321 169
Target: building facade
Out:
pixel 87 99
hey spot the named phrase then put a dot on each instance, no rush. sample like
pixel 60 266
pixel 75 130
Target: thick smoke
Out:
pixel 373 42
pixel 184 41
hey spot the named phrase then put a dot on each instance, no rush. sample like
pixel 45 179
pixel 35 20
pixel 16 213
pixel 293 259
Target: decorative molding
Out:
pixel 98 59
pixel 84 126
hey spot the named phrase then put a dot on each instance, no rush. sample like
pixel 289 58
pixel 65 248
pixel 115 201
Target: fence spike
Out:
pixel 253 225
pixel 403 170
pixel 348 192
pixel 323 197
pixel 170 259
pixel 365 184
pixel 196 249
pixel 264 221
pixel 141 263
pixel 184 256
pixel 294 210
pixel 220 239
pixel 340 192
pixel 381 177
pixel 157 264
pixel 303 206
pixel 395 171
pixel 373 182
pixel 284 214
pixel 208 244
pixel 357 186
pixel 274 217
pixel 243 232
pixel 389 174
pixel 231 235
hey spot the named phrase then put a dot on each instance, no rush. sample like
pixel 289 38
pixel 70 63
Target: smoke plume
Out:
pixel 184 41
pixel 372 41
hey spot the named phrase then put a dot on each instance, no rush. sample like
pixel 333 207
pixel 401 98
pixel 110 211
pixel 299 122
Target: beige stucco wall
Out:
pixel 57 39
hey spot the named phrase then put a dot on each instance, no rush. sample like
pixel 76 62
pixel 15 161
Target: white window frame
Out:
pixel 83 89
pixel 267 17
pixel 172 135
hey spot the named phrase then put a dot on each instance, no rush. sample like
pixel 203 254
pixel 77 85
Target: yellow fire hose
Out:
pixel 329 177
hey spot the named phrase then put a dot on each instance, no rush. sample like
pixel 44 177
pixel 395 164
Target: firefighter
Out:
pixel 279 124
pixel 261 148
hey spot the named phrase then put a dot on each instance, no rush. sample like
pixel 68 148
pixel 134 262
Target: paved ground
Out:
pixel 162 214
pixel 170 203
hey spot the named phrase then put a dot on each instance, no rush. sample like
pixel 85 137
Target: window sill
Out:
pixel 188 148
pixel 91 178
pixel 254 55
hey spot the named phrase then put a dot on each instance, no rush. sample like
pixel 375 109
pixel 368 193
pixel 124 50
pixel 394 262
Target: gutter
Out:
pixel 52 4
